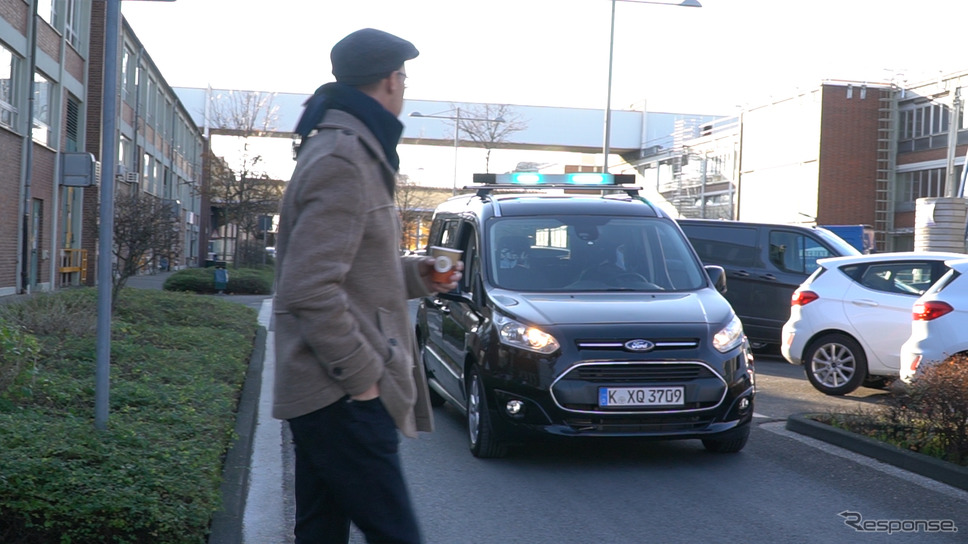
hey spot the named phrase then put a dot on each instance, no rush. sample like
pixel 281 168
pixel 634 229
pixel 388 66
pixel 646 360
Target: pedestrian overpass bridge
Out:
pixel 544 128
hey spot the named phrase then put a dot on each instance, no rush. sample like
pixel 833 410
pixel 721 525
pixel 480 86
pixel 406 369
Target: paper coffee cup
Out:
pixel 444 260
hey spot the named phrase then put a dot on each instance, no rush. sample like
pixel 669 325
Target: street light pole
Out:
pixel 606 147
pixel 456 147
pixel 456 119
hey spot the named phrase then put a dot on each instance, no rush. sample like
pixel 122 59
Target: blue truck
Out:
pixel 859 236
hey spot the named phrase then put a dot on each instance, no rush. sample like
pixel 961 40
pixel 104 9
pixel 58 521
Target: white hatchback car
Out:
pixel 938 328
pixel 849 318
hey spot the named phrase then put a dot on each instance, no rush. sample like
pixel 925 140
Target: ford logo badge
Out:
pixel 639 345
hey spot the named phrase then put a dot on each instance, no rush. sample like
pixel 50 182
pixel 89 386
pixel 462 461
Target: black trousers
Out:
pixel 348 470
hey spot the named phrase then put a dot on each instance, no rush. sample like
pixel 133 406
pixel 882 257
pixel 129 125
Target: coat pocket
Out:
pixel 398 392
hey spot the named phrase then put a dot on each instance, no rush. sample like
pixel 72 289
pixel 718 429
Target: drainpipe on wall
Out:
pixel 28 158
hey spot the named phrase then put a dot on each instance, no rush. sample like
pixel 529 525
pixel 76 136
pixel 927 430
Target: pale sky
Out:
pixel 555 52
pixel 711 60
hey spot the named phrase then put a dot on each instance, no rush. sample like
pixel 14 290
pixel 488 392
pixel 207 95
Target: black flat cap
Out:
pixel 369 55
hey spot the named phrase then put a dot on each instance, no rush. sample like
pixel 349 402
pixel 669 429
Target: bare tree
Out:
pixel 243 113
pixel 243 190
pixel 489 126
pixel 146 228
pixel 413 205
pixel 244 195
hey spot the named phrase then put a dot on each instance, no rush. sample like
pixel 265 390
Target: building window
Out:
pixel 150 106
pixel 923 120
pixel 146 172
pixel 47 10
pixel 126 152
pixel 129 76
pixel 72 125
pixel 71 22
pixel 920 184
pixel 42 104
pixel 8 70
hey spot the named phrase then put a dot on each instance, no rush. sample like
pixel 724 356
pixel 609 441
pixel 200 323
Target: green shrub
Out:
pixel 930 416
pixel 18 359
pixel 178 362
pixel 242 281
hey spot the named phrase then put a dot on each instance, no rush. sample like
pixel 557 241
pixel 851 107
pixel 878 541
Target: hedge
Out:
pixel 242 281
pixel 178 362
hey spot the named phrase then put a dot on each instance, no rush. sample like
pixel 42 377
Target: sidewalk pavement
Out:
pixel 257 504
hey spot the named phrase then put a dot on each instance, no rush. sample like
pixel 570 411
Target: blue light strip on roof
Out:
pixel 537 178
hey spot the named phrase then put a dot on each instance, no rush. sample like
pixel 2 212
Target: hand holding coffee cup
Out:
pixel 445 259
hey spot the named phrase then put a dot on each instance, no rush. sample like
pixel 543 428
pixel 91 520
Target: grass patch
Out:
pixel 178 363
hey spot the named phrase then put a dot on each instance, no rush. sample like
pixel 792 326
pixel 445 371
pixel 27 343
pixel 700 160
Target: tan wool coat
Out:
pixel 341 316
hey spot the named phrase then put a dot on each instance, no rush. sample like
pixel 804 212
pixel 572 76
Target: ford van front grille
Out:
pixel 660 344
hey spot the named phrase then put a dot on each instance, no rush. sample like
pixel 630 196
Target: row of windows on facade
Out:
pixel 923 120
pixel 43 98
pixel 44 92
pixel 143 94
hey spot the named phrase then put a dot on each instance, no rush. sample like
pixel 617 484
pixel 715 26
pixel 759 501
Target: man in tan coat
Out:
pixel 347 374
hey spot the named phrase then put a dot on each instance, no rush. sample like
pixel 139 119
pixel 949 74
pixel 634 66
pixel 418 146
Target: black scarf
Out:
pixel 383 124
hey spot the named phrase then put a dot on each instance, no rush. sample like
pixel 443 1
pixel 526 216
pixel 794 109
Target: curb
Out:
pixel 918 463
pixel 226 527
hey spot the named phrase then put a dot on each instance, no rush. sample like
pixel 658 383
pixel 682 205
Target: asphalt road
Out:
pixel 782 487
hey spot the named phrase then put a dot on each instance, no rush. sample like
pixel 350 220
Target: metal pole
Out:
pixel 606 148
pixel 456 147
pixel 950 183
pixel 112 29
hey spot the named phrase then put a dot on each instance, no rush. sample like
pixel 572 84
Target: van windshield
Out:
pixel 590 253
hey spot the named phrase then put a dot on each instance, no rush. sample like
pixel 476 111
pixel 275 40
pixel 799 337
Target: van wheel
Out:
pixel 835 364
pixel 484 442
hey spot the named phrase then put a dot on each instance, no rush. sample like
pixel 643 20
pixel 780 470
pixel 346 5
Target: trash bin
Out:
pixel 221 279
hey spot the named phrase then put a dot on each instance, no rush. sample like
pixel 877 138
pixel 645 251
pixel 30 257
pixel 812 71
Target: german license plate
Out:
pixel 641 396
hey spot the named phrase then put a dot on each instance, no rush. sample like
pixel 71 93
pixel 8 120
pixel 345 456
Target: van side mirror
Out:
pixel 718 276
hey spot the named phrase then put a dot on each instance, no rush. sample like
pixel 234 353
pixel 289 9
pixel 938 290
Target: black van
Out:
pixel 581 315
pixel 764 264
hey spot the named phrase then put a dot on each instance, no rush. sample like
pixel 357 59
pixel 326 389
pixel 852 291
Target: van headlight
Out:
pixel 521 336
pixel 729 336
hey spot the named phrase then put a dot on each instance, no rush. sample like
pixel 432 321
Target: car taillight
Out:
pixel 802 298
pixel 932 309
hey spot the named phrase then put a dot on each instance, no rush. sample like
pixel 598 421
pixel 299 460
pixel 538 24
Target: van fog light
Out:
pixel 514 407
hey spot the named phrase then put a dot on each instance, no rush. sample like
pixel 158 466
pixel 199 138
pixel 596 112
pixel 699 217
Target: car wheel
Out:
pixel 484 442
pixel 732 444
pixel 835 364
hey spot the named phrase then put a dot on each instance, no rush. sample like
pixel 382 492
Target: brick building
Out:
pixel 51 65
pixel 842 153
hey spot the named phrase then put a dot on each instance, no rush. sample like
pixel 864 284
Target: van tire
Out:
pixel 484 442
pixel 835 364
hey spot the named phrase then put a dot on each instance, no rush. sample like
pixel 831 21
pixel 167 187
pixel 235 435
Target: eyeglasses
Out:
pixel 403 78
